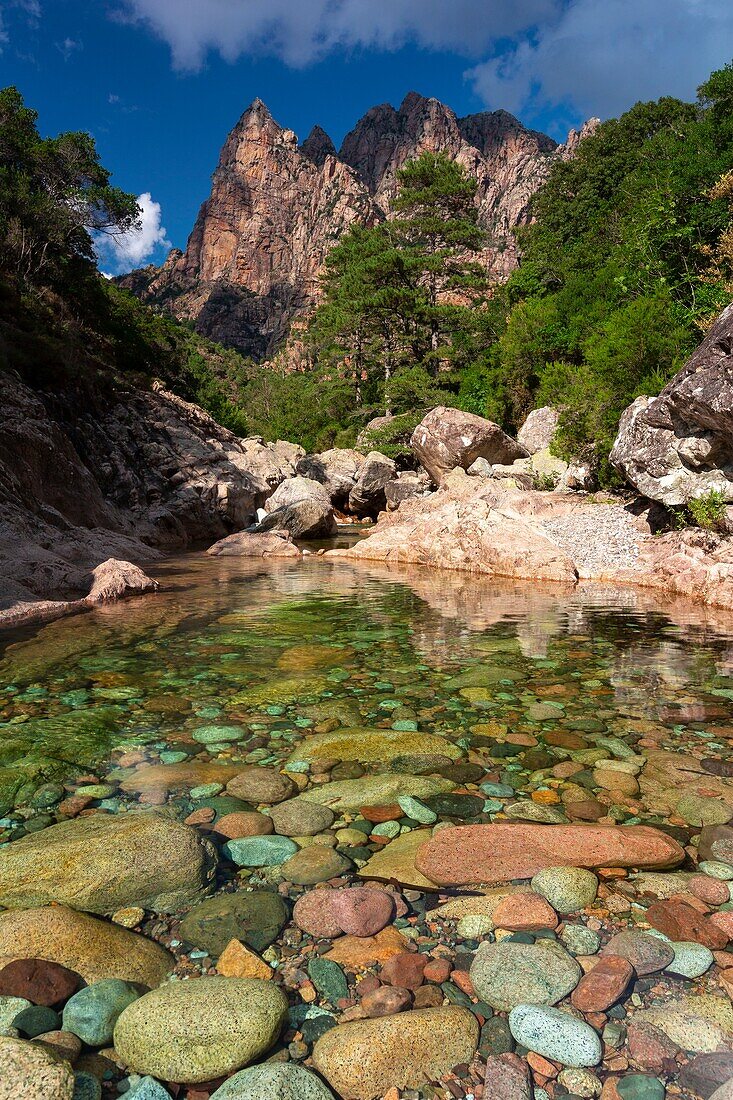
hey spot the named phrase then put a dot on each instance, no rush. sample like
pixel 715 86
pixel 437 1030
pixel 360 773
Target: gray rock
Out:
pixel 92 1013
pixel 567 889
pixel 300 506
pixel 337 470
pixel 368 497
pixel 507 974
pixel 274 1082
pixel 679 446
pixel 556 1035
pixel 539 429
pixel 406 486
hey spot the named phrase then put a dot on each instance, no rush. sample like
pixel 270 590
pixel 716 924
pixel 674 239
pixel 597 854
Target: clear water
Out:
pixel 460 656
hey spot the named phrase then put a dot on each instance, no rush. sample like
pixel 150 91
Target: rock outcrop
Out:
pixel 252 262
pixel 115 473
pixel 679 446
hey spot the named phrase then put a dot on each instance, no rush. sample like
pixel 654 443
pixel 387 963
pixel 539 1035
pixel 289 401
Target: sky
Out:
pixel 159 83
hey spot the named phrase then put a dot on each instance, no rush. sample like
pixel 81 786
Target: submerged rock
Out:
pixel 372 745
pixel 104 862
pixel 365 1058
pixel 507 974
pixel 30 1072
pixel 375 790
pixel 256 917
pixel 275 1082
pixel 497 853
pixel 555 1034
pixel 198 1030
pixel 92 948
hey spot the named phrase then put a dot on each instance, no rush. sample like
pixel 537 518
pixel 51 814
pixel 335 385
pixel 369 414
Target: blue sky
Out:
pixel 159 83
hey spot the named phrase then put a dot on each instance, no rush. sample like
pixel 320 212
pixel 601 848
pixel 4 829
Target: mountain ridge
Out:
pixel 252 262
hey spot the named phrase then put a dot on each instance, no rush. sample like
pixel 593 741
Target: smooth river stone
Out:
pixel 396 862
pixel 274 1082
pixel 365 1058
pixel 497 853
pixel 92 948
pixel 371 745
pixel 201 1029
pixel 177 777
pixel 381 789
pixel 701 1024
pixel 507 974
pixel 30 1072
pixel 106 861
pixel 556 1035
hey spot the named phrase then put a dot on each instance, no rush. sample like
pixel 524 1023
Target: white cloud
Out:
pixel 125 251
pixel 587 56
pixel 68 47
pixel 303 31
pixel 600 56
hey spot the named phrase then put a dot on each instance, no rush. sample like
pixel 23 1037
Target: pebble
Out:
pixel 93 1012
pixel 691 960
pixel 244 823
pixel 260 851
pixel 38 981
pixel 316 863
pixel 602 986
pixel 261 785
pixel 556 1035
pixel 273 1082
pixel 30 1072
pixel 647 954
pixel 365 1058
pixel 579 940
pixel 295 817
pixel 361 910
pixel 638 1086
pixel 525 912
pixel 256 917
pixel 417 810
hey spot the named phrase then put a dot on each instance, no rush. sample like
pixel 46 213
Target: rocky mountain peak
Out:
pixel 317 146
pixel 252 263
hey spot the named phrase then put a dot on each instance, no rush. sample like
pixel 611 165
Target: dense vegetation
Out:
pixel 628 259
pixel 60 321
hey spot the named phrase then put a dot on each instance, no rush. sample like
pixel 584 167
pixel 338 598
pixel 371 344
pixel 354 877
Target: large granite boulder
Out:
pixel 450 438
pixel 368 498
pixel 337 470
pixel 103 862
pixel 679 446
pixel 302 507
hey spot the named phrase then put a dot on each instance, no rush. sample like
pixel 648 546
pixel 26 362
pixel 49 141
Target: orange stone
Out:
pixel 524 913
pixel 360 952
pixel 376 814
pixel 546 798
pixel 238 961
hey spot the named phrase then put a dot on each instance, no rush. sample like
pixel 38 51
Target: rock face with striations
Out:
pixel 679 446
pixel 252 262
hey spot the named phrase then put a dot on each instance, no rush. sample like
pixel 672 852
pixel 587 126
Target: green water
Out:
pixel 273 653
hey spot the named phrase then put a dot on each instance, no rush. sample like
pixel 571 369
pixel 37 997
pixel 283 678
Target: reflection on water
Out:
pixel 399 645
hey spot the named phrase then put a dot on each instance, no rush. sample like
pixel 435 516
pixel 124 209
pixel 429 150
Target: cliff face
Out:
pixel 252 262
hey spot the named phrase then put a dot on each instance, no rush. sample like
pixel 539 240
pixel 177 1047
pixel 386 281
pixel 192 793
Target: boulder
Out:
pixel 337 470
pixel 300 506
pixel 243 544
pixel 679 445
pixel 411 483
pixel 92 948
pixel 501 852
pixel 462 528
pixel 113 579
pixel 103 862
pixel 539 429
pixel 368 497
pixel 447 438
